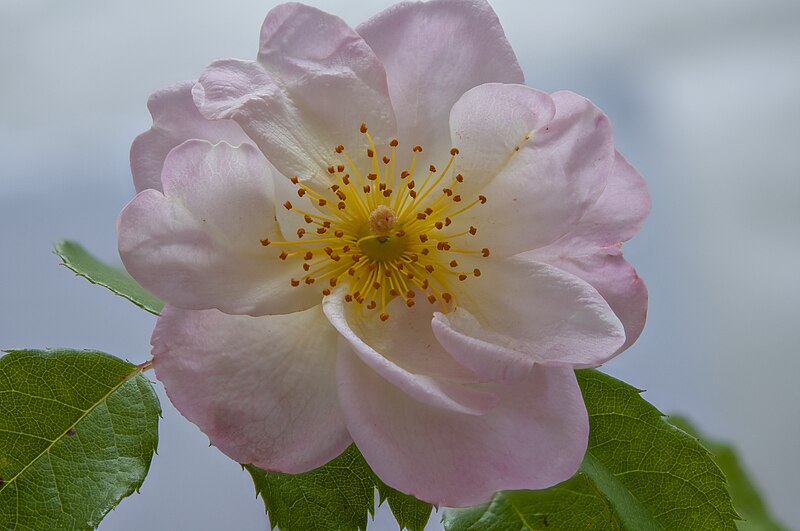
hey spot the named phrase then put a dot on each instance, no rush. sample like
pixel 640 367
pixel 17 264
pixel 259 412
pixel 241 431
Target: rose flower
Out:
pixel 379 235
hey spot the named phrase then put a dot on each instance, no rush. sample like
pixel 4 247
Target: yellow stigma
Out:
pixel 382 220
pixel 382 233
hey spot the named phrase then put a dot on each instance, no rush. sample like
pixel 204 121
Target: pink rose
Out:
pixel 380 235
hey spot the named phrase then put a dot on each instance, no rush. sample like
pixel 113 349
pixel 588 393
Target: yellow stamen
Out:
pixel 384 237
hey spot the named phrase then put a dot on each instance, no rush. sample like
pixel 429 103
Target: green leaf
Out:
pixel 748 503
pixel 639 473
pixel 77 432
pixel 409 512
pixel 116 279
pixel 338 496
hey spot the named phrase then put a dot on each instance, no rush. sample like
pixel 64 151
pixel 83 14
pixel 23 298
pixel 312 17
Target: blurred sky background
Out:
pixel 703 96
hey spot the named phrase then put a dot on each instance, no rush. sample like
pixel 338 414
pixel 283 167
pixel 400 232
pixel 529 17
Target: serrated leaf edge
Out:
pixel 66 262
pixel 136 371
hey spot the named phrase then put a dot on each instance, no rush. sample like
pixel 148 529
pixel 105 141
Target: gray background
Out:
pixel 703 96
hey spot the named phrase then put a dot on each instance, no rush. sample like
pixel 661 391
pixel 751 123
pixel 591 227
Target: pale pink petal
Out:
pixel 404 351
pixel 175 120
pixel 262 388
pixel 520 312
pixel 592 249
pixel 540 172
pixel 197 245
pixel 536 437
pixel 315 82
pixel 433 53
pixel 619 284
pixel 616 216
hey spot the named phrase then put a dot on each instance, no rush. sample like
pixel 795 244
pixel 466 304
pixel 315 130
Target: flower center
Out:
pixel 384 234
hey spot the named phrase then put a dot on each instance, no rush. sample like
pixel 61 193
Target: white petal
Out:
pixel 175 120
pixel 591 250
pixel 520 312
pixel 315 82
pixel 539 171
pixel 404 351
pixel 433 53
pixel 536 437
pixel 262 388
pixel 198 246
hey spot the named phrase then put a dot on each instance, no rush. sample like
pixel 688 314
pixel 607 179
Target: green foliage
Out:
pixel 77 259
pixel 337 496
pixel 77 432
pixel 639 473
pixel 748 503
